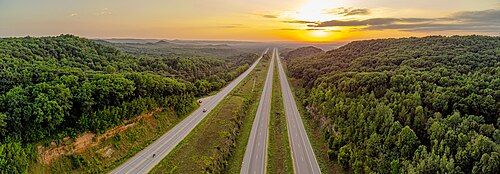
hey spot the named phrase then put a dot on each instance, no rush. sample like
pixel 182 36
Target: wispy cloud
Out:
pixel 483 21
pixel 269 16
pixel 369 22
pixel 305 29
pixel 73 14
pixel 103 12
pixel 298 22
pixel 348 11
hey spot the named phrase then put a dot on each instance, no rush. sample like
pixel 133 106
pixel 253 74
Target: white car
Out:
pixel 204 109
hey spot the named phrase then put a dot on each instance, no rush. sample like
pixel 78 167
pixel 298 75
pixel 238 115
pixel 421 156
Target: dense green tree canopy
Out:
pixel 51 87
pixel 418 105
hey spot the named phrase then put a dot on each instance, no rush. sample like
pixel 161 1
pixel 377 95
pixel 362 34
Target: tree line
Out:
pixel 411 105
pixel 52 87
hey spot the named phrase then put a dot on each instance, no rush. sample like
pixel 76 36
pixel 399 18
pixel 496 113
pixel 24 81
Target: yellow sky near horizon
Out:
pixel 254 20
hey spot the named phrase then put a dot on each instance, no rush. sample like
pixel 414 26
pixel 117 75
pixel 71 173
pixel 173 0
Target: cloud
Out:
pixel 266 15
pixel 298 29
pixel 103 12
pixel 363 11
pixel 349 11
pixel 73 14
pixel 269 16
pixel 440 27
pixel 370 22
pixel 492 15
pixel 482 21
pixel 298 22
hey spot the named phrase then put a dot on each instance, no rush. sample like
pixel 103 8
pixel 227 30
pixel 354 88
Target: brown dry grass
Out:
pixel 85 141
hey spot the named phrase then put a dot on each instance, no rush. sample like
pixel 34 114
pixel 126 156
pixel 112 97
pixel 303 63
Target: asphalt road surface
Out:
pixel 144 161
pixel 255 157
pixel 304 160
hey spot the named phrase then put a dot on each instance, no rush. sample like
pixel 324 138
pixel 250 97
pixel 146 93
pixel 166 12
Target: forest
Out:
pixel 53 87
pixel 409 105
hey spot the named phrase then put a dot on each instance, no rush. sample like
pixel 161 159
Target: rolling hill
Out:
pixel 410 105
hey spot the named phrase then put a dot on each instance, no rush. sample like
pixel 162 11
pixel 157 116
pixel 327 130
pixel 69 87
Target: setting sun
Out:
pixel 311 12
pixel 319 33
pixel 261 20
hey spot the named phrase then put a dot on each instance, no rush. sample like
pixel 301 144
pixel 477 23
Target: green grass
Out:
pixel 234 163
pixel 314 132
pixel 279 157
pixel 219 135
pixel 123 146
pixel 194 153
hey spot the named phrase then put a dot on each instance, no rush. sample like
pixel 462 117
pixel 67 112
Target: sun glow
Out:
pixel 319 33
pixel 316 10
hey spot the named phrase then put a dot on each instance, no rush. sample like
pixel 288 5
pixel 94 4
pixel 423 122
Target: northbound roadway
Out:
pixel 304 160
pixel 255 157
pixel 146 159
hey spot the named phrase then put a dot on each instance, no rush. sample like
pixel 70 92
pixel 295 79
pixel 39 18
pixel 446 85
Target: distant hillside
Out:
pixel 411 105
pixel 391 53
pixel 130 40
pixel 162 42
pixel 303 52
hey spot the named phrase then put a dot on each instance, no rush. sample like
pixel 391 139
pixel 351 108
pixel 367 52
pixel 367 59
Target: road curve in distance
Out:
pixel 255 159
pixel 304 160
pixel 144 161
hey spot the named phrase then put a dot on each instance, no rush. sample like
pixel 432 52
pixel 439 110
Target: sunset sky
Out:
pixel 254 20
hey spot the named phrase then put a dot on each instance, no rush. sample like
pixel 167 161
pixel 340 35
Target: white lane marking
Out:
pixel 154 146
pixel 294 120
pixel 256 127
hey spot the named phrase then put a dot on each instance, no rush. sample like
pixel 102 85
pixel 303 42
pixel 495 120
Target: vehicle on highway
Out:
pixel 168 141
pixel 204 109
pixel 199 101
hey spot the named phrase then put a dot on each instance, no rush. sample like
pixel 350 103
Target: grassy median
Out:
pixel 234 163
pixel 211 146
pixel 279 157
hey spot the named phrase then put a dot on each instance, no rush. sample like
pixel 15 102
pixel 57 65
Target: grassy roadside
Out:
pixel 112 152
pixel 279 157
pixel 212 144
pixel 234 163
pixel 314 132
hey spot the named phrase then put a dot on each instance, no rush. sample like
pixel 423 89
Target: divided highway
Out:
pixel 255 157
pixel 146 159
pixel 304 160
